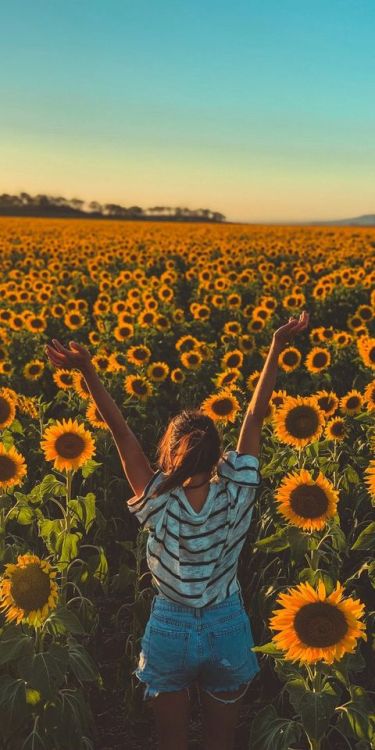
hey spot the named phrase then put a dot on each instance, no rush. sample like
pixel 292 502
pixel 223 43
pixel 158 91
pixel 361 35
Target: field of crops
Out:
pixel 176 316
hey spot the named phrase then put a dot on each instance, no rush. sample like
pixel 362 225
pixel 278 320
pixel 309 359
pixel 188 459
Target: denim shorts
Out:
pixel 207 645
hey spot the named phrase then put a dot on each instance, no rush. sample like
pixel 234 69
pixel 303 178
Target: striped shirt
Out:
pixel 193 556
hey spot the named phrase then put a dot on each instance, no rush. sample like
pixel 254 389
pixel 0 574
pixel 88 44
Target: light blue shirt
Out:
pixel 192 556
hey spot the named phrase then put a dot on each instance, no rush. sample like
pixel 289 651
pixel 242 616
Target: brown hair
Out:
pixel 190 444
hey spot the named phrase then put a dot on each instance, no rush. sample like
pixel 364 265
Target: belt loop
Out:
pixel 153 604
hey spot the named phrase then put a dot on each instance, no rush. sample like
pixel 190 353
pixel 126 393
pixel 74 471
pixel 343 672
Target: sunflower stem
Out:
pixel 64 573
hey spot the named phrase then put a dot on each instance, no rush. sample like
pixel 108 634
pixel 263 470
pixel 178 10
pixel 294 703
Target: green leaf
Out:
pixel 89 467
pixel 317 709
pixel 352 475
pixel 339 541
pixel 81 662
pixel 366 539
pixel 47 670
pixel 296 690
pixel 16 427
pixel 83 510
pixel 22 513
pixel 51 533
pixel 269 648
pixel 69 546
pixel 275 542
pixel 14 646
pixel 13 706
pixel 298 542
pixel 270 732
pixel 62 620
pixel 357 716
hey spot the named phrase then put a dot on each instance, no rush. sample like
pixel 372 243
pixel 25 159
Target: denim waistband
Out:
pixel 163 604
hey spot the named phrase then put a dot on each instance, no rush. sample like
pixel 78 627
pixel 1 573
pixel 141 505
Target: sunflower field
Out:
pixel 175 316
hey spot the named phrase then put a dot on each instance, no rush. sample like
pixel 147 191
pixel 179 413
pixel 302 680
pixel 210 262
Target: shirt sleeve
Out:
pixel 242 471
pixel 148 509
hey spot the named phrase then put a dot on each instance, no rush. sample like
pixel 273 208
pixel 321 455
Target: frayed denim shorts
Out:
pixel 207 645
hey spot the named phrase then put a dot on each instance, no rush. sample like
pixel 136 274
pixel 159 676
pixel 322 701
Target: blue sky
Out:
pixel 261 110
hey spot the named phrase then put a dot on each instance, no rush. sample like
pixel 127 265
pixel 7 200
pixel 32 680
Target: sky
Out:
pixel 263 110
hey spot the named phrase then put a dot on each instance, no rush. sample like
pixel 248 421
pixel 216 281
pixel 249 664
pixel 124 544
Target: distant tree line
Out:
pixel 24 204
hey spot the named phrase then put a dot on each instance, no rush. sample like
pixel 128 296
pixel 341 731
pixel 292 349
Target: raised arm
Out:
pixel 135 464
pixel 249 438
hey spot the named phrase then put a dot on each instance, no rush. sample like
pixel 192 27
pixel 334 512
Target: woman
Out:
pixel 197 507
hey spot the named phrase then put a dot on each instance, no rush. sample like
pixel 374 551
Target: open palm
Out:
pixel 293 327
pixel 77 357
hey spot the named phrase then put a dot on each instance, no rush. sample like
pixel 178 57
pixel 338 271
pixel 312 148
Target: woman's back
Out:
pixel 192 552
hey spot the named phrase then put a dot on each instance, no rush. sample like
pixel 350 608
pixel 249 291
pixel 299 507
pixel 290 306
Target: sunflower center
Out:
pixel 69 445
pixel 33 369
pixel 320 624
pixel 7 468
pixel 4 409
pixel 353 402
pixel 302 421
pixel 371 354
pixel 320 359
pixel 308 501
pixel 337 428
pixel 223 406
pixel 290 358
pixel 30 587
pixel 326 403
pixel 139 387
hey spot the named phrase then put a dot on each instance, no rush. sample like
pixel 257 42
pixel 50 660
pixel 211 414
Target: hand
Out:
pixel 77 357
pixel 286 332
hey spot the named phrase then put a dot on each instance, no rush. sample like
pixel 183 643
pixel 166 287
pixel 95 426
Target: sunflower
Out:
pixel 192 359
pixel 246 343
pixel 94 416
pixel 318 359
pixel 252 380
pixel 228 377
pixel 186 343
pixel 28 590
pixel 68 444
pixel 12 467
pixel 336 429
pixel 139 354
pixel 101 362
pixel 34 369
pixel 369 396
pixel 370 477
pixel 342 339
pixel 289 359
pixel 232 327
pixel 138 386
pixel 299 421
pixel 74 320
pixel 222 406
pixel 366 349
pixel 232 359
pixel 307 502
pixel 177 375
pixel 28 405
pixel 255 325
pixel 63 379
pixel 36 323
pixel 352 402
pixel 80 385
pixel 278 398
pixel 314 626
pixel 157 371
pixel 7 409
pixel 327 402
pixel 123 331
